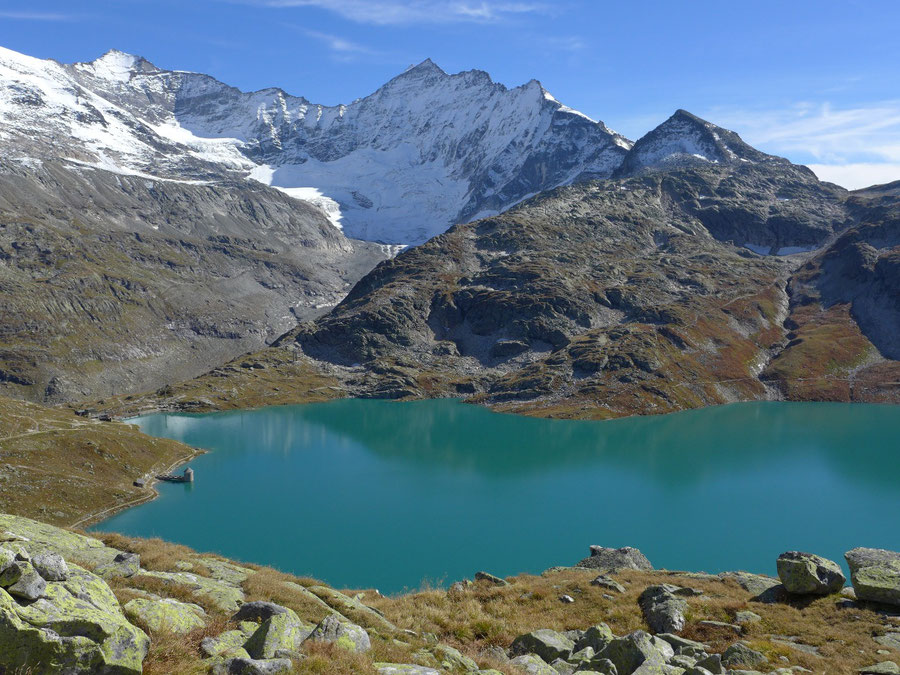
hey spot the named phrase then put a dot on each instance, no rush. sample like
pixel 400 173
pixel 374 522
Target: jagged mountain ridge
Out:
pixel 423 152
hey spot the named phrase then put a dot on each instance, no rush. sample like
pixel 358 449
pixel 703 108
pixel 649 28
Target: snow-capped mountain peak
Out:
pixel 685 139
pixel 426 150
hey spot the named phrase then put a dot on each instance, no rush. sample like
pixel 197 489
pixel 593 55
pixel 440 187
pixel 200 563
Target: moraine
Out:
pixel 370 493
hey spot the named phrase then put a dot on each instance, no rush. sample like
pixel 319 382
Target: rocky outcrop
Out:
pixel 663 610
pixel 342 634
pixel 875 574
pixel 547 644
pixel 809 574
pixel 165 615
pixel 613 559
pixel 70 625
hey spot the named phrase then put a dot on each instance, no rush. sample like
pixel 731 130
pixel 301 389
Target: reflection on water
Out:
pixel 439 489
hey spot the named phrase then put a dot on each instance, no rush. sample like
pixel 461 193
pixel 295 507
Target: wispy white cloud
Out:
pixel 398 12
pixel 341 48
pixel 35 16
pixel 564 43
pixel 852 146
pixel 832 135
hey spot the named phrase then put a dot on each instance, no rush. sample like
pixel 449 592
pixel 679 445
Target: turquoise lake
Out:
pixel 387 495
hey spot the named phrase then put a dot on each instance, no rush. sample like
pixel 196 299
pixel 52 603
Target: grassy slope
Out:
pixel 60 468
pixel 487 615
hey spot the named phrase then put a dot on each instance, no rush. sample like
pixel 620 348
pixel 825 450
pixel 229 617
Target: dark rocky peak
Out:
pixel 686 140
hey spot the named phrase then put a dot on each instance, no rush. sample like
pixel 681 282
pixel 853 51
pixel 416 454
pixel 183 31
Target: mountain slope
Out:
pixel 113 283
pixel 423 152
pixel 616 297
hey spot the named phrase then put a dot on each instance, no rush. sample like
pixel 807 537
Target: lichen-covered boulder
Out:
pixel 245 666
pixel 353 609
pixel 663 610
pixel 342 634
pixel 809 574
pixel 221 594
pixel 165 615
pixel 740 654
pixel 633 650
pixel 404 669
pixel 548 644
pixel 609 584
pixel 883 668
pixel 123 564
pixel 280 633
pixel 532 664
pixel 875 574
pixel 76 627
pixel 227 641
pixel 595 637
pixel 491 579
pixel 612 559
pixel 453 660
pixel 259 611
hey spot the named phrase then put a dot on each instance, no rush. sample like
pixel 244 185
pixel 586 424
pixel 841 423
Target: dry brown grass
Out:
pixel 179 653
pixel 156 554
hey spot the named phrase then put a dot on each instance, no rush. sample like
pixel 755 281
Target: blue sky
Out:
pixel 817 82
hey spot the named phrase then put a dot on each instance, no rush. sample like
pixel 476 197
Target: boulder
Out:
pixel 635 649
pixel 745 616
pixel 76 627
pixel 712 663
pixel 124 564
pixel 740 654
pixel 227 641
pixel 532 665
pixel 599 667
pixel 663 610
pixel 283 632
pixel 353 609
pixel 224 596
pixel 875 574
pixel 679 643
pixel 165 615
pixel 548 644
pixel 22 581
pixel 612 559
pixel 604 581
pixel 883 668
pixel 562 667
pixel 404 669
pixel 258 611
pixel 809 574
pixel 596 637
pixel 50 566
pixel 244 666
pixel 490 578
pixel 452 660
pixel 343 634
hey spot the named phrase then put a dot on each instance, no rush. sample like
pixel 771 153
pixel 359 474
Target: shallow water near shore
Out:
pixel 387 495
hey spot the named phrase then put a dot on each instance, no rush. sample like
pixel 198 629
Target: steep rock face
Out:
pixel 423 152
pixel 616 297
pixel 113 283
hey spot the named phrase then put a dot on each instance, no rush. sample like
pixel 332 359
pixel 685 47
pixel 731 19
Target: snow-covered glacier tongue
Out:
pixel 425 151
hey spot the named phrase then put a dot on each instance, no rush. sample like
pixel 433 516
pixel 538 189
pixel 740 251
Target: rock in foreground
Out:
pixel 809 574
pixel 612 559
pixel 875 574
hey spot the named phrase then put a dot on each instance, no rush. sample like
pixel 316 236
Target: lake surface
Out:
pixel 367 493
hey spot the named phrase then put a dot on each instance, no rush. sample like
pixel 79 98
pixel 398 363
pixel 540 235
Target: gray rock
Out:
pixel 740 654
pixel 241 666
pixel 883 668
pixel 635 649
pixel 486 576
pixel 28 584
pixel 562 667
pixel 889 639
pixel 875 574
pixel 679 642
pixel 258 611
pixel 596 637
pixel 712 663
pixel 567 599
pixel 548 644
pixel 280 632
pixel 809 574
pixel 342 633
pixel 611 584
pixel 612 559
pixel 601 666
pixel 532 665
pixel 744 617
pixel 697 670
pixel 51 566
pixel 459 586
pixel 404 669
pixel 125 565
pixel 453 660
pixel 663 610
pixel 721 624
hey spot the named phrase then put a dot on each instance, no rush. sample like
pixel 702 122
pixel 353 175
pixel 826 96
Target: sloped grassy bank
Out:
pixel 79 603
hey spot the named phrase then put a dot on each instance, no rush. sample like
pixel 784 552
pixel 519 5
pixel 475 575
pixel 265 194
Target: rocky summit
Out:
pixel 71 603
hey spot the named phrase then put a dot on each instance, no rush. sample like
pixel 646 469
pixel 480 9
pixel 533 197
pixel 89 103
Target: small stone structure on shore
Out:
pixel 186 477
